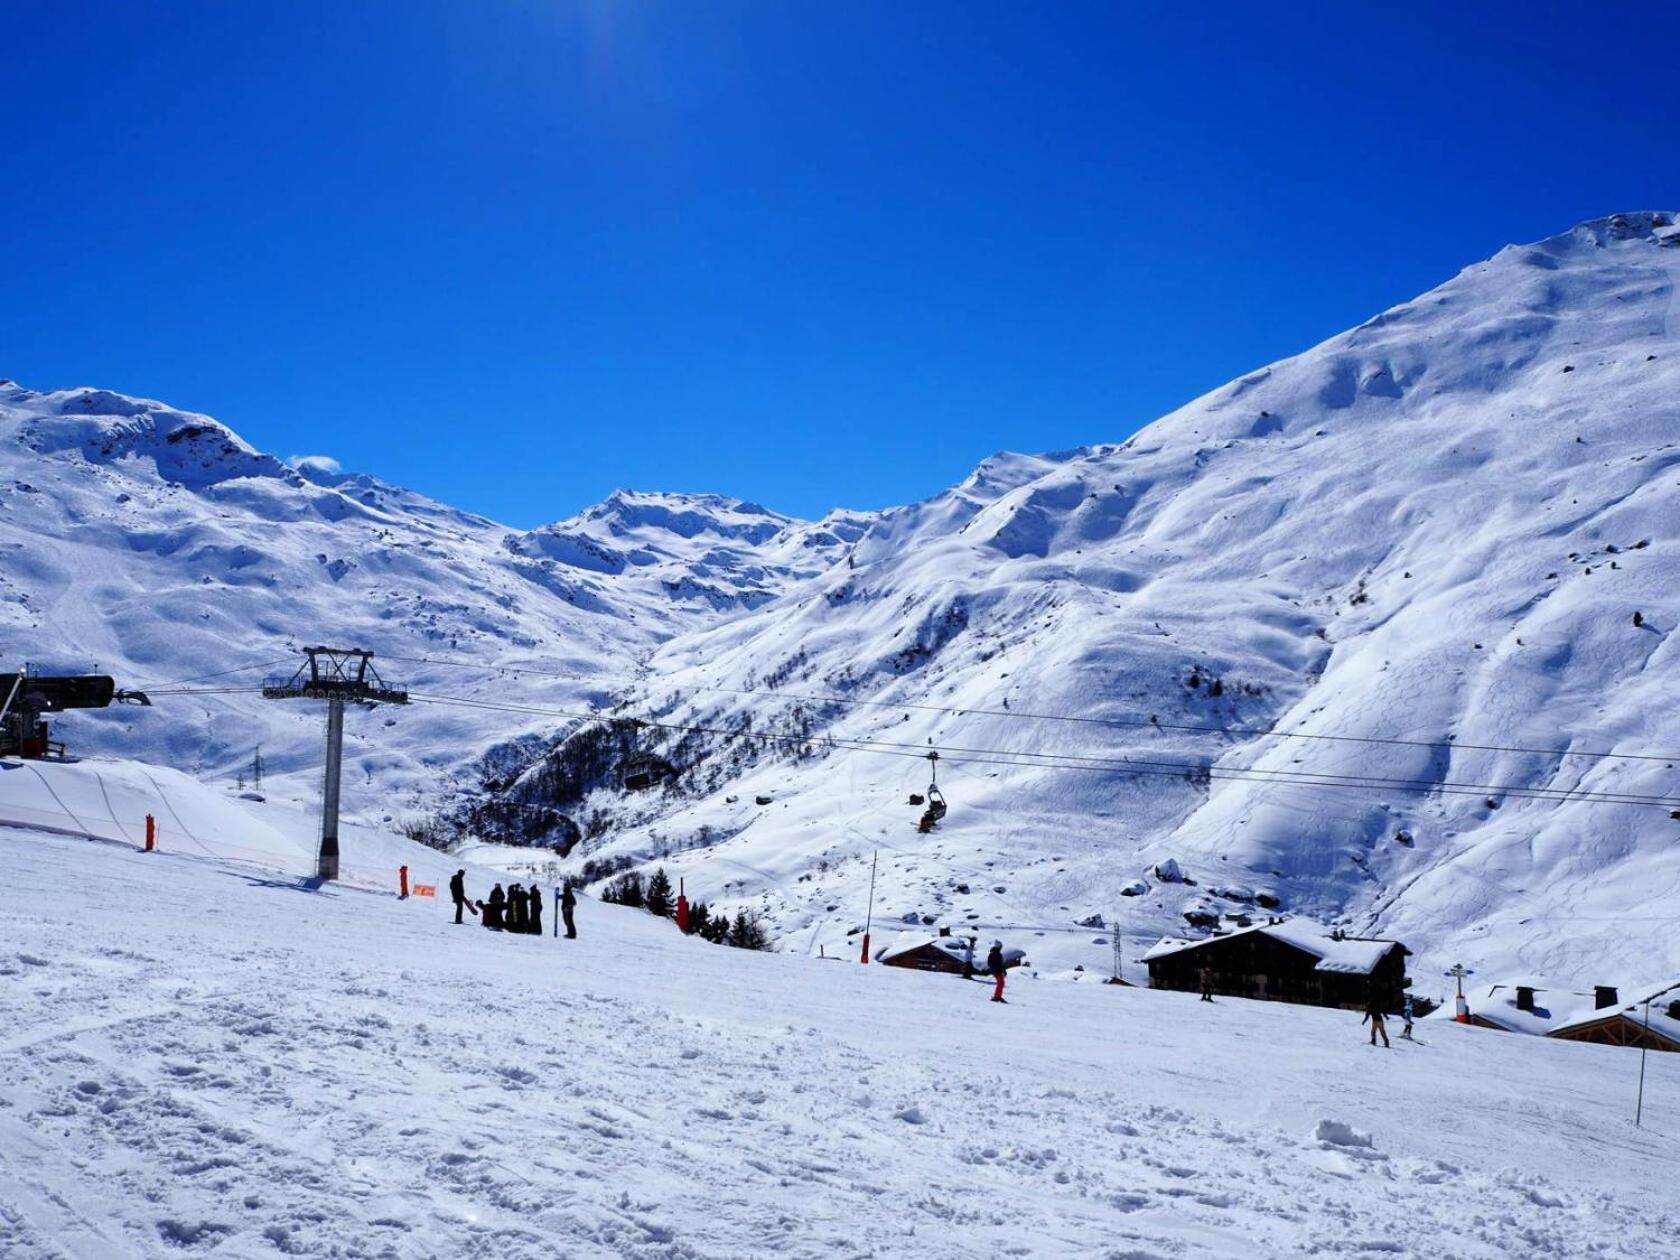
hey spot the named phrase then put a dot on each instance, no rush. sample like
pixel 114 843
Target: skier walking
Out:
pixel 1374 1013
pixel 1207 984
pixel 1406 1014
pixel 996 969
pixel 535 928
pixel 458 890
pixel 568 902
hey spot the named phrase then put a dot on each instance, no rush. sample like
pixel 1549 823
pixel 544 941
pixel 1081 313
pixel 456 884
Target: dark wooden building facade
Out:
pixel 1291 961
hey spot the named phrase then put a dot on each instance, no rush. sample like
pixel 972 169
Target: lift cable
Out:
pixel 1027 715
pixel 1073 761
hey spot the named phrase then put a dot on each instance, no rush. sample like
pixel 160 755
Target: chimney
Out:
pixel 1525 997
pixel 1603 995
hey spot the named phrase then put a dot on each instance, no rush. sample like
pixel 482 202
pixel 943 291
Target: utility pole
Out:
pixel 334 675
pixel 1117 979
pixel 1639 1101
pixel 869 918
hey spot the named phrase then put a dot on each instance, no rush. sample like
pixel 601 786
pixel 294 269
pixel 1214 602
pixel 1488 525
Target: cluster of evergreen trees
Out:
pixel 656 896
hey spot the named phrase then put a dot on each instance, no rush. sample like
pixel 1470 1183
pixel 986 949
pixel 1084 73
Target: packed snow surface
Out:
pixel 198 1058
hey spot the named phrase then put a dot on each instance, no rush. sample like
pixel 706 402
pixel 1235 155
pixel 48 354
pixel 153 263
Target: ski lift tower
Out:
pixel 334 675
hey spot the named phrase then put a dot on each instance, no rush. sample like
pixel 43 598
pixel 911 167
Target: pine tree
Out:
pixel 747 932
pixel 659 895
pixel 699 919
pixel 626 891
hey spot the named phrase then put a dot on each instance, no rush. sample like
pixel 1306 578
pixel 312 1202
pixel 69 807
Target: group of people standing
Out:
pixel 518 909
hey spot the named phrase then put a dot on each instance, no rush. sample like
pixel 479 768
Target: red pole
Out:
pixel 151 833
pixel 402 882
pixel 682 908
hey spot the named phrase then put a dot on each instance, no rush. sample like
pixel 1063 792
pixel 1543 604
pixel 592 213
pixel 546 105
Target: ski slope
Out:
pixel 199 1060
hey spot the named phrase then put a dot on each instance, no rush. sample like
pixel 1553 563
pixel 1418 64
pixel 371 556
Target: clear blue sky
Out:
pixel 516 253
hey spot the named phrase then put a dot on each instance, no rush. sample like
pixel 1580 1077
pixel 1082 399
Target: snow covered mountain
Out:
pixel 1438 527
pixel 157 545
pixel 1434 529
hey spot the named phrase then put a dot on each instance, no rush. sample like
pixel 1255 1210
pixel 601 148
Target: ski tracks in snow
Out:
pixel 258 1083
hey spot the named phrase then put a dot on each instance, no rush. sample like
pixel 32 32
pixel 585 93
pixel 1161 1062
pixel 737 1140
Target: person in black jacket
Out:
pixel 491 910
pixel 458 890
pixel 1374 1013
pixel 515 909
pixel 996 969
pixel 568 902
pixel 535 915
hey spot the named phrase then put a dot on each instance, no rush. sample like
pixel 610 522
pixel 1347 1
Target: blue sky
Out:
pixel 515 254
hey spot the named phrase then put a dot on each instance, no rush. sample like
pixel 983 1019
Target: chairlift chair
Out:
pixel 936 807
pixel 642 772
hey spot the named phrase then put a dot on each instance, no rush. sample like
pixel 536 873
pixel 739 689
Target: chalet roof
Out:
pixel 1355 956
pixel 955 946
pixel 1661 1022
pixel 1558 1009
pixel 1554 1006
pixel 909 942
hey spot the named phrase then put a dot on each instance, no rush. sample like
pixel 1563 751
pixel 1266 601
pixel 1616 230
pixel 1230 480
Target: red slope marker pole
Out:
pixel 151 833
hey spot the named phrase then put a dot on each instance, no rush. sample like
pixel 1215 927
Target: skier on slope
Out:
pixel 1374 1013
pixel 491 910
pixel 568 902
pixel 458 890
pixel 535 928
pixel 1406 1014
pixel 996 969
pixel 1207 984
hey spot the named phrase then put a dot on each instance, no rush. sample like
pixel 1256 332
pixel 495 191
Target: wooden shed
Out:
pixel 944 953
pixel 1285 960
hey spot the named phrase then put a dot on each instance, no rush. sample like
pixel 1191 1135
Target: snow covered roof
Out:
pixel 1553 1008
pixel 1661 1022
pixel 1355 956
pixel 909 942
pixel 1557 1010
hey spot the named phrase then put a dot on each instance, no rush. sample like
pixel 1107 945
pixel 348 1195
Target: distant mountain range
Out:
pixel 1337 636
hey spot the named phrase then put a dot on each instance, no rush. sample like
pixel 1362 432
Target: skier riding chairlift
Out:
pixel 935 800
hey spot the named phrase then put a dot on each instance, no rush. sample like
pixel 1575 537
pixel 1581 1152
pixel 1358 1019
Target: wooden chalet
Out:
pixel 1652 1027
pixel 920 951
pixel 1285 960
pixel 1600 1017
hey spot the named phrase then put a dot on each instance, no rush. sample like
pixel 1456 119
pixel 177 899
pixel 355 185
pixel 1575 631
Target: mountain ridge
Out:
pixel 1368 540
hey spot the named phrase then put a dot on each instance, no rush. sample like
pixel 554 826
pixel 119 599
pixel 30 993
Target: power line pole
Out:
pixel 869 918
pixel 334 675
pixel 1644 1045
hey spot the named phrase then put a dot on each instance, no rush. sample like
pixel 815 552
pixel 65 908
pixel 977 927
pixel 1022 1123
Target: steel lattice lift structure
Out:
pixel 334 675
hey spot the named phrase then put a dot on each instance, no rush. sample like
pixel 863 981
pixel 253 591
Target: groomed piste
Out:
pixel 200 1057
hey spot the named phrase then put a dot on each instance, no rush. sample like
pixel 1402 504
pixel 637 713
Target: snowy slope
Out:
pixel 1435 527
pixel 157 545
pixel 212 1064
